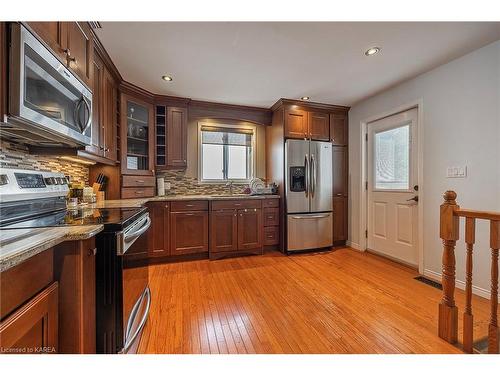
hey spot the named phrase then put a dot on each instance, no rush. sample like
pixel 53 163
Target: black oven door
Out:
pixel 123 297
pixel 135 290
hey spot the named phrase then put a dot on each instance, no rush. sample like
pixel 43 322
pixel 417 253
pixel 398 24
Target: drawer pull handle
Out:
pixel 139 192
pixel 189 205
pixel 140 181
pixel 269 217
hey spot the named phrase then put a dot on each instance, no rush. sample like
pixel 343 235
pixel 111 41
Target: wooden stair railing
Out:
pixel 450 214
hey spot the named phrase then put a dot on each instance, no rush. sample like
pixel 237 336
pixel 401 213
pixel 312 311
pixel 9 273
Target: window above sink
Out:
pixel 226 153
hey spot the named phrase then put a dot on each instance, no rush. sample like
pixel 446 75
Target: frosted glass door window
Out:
pixel 392 159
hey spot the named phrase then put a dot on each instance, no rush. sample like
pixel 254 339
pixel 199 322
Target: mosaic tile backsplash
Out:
pixel 13 155
pixel 180 184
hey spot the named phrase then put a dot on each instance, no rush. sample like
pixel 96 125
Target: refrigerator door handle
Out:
pixel 306 179
pixel 313 175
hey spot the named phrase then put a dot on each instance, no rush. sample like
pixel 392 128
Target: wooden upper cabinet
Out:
pixel 339 169
pixel 159 234
pixel 296 123
pixel 319 126
pixel 80 50
pixel 338 128
pixel 223 230
pixel 96 141
pixel 176 137
pixel 137 136
pixel 72 43
pixel 33 328
pixel 3 70
pixel 249 229
pixel 54 34
pixel 104 119
pixel 109 92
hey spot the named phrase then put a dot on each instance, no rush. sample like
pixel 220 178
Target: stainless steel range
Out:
pixel 35 199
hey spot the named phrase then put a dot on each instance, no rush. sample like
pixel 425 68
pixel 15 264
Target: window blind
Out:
pixel 217 135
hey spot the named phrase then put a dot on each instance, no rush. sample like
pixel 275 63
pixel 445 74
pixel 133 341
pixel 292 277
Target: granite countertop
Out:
pixel 141 201
pixel 17 245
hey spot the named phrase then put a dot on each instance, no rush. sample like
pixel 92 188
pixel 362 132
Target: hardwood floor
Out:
pixel 341 301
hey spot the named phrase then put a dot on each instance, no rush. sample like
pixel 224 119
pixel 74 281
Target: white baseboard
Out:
pixel 459 284
pixel 354 245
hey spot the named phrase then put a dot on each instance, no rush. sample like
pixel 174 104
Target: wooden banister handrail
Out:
pixel 486 215
pixel 450 213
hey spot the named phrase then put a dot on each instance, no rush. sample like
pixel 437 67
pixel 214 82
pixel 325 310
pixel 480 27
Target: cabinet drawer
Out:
pixel 271 217
pixel 271 203
pixel 138 192
pixel 189 206
pixel 271 236
pixel 135 181
pixel 236 204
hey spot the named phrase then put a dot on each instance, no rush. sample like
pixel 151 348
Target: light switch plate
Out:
pixel 456 172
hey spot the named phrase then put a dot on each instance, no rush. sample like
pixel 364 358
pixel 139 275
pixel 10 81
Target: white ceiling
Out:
pixel 257 63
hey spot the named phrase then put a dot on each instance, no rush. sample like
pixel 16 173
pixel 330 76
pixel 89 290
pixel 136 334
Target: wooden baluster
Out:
pixel 470 234
pixel 493 332
pixel 449 227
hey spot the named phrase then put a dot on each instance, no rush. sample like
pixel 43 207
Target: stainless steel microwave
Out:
pixel 48 105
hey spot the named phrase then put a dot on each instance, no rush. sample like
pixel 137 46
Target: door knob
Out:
pixel 415 198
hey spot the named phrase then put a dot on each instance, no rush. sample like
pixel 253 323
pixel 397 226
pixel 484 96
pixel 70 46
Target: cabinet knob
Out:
pixel 92 252
pixel 67 51
pixel 166 206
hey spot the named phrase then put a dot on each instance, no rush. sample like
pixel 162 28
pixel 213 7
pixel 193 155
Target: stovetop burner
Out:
pixel 112 218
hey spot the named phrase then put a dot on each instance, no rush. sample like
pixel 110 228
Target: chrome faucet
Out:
pixel 230 184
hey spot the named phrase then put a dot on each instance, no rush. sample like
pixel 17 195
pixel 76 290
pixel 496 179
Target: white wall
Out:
pixel 461 121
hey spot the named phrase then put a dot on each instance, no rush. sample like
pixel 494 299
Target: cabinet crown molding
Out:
pixel 309 105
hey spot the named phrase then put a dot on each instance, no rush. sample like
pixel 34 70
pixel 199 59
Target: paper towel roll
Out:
pixel 160 183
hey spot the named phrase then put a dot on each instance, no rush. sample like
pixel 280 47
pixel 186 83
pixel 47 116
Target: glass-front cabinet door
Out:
pixel 137 133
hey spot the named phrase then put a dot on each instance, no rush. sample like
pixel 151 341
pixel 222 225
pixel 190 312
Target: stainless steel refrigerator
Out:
pixel 308 184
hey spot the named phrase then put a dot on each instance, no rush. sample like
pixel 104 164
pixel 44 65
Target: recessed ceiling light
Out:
pixel 372 51
pixel 304 98
pixel 167 78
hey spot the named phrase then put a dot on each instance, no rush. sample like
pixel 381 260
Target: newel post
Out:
pixel 449 227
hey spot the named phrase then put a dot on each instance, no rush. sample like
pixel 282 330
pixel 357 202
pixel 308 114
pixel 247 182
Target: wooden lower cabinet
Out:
pixel 33 328
pixel 188 232
pixel 223 230
pixel 159 234
pixel 233 230
pixel 339 219
pixel 249 229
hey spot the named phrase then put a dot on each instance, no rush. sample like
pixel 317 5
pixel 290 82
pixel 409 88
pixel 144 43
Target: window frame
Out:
pixel 253 157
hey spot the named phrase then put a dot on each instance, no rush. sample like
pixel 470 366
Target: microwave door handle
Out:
pixel 76 113
pixel 89 111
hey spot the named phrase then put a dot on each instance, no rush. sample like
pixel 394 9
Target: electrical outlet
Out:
pixel 456 172
pixel 167 186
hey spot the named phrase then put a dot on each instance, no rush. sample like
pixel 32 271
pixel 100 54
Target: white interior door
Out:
pixel 393 186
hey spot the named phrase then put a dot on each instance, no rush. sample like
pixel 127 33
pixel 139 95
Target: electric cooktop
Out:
pixel 111 218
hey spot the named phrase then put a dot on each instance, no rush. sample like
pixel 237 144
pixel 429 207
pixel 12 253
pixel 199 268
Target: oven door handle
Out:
pixel 130 340
pixel 132 236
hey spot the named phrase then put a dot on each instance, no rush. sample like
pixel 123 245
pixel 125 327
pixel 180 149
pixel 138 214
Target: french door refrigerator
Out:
pixel 308 184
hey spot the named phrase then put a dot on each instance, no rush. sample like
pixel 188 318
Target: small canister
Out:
pixel 160 183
